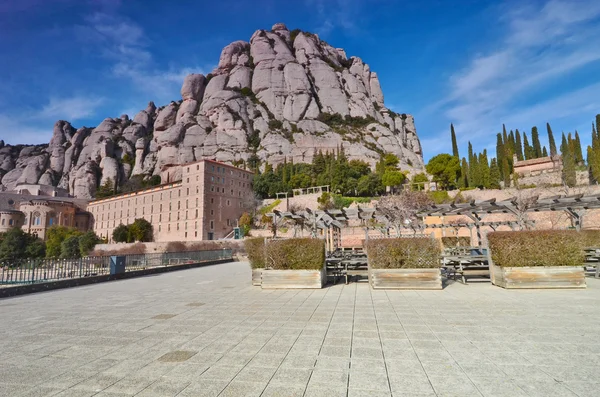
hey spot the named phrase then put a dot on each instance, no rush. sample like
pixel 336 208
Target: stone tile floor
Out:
pixel 207 332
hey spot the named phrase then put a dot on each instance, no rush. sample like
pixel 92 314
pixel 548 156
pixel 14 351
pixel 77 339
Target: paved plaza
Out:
pixel 208 332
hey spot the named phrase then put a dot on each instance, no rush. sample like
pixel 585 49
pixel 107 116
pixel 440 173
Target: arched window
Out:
pixel 51 218
pixel 37 219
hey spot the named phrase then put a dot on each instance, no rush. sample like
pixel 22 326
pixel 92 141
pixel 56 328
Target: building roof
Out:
pixel 11 201
pixel 540 160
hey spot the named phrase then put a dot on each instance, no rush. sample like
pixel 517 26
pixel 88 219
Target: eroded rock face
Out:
pixel 276 87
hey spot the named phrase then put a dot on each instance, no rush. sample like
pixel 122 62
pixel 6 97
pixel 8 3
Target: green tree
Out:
pixel 419 181
pixel 569 172
pixel 55 237
pixel 325 201
pixel 370 185
pixel 551 141
pixel 87 242
pixel 69 248
pixel 140 230
pixel 107 189
pixel 464 174
pixel 444 168
pixel 577 149
pixel 121 234
pixel 454 144
pixel 535 141
pixel 393 179
pixel 484 169
pixel 36 248
pixel 245 224
pixel 506 172
pixel 528 150
pixel 593 155
pixel 500 154
pixel 544 152
pixel 518 146
pixel 13 246
pixel 494 175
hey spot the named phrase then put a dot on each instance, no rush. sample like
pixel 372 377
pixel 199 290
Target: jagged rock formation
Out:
pixel 283 95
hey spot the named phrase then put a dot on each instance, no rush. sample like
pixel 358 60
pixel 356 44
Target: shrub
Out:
pixel 537 248
pixel 275 124
pixel 590 238
pixel 403 253
pixel 296 254
pixel 255 248
pixel 454 241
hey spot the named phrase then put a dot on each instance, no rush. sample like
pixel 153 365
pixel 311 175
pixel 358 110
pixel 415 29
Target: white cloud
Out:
pixel 125 43
pixel 74 108
pixel 541 47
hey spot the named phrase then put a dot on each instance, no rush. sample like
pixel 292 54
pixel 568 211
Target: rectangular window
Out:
pixel 188 189
pixel 159 228
pixel 212 225
pixel 188 169
pixel 185 234
pixel 197 167
pixel 228 222
pixel 212 212
pixel 179 205
pixel 196 213
pixel 177 225
pixel 195 234
pixel 212 200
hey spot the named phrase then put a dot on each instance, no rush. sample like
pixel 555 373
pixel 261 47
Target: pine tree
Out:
pixel 535 142
pixel 484 169
pixel 551 140
pixel 454 144
pixel 518 146
pixel 499 152
pixel 578 152
pixel 494 175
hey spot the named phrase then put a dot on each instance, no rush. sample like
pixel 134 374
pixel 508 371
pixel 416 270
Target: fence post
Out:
pixel 80 264
pixel 33 272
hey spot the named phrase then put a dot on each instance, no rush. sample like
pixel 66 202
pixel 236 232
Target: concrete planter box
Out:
pixel 405 278
pixel 256 276
pixel 272 279
pixel 538 277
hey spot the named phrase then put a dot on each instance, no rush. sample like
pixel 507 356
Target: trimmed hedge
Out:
pixel 537 248
pixel 461 241
pixel 403 253
pixel 255 248
pixel 590 238
pixel 296 254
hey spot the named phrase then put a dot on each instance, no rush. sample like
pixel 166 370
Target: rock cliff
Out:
pixel 282 95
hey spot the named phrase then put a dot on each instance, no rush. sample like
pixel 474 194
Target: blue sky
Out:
pixel 475 63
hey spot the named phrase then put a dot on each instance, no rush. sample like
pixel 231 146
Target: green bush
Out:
pixel 403 253
pixel 454 241
pixel 255 249
pixel 537 248
pixel 296 254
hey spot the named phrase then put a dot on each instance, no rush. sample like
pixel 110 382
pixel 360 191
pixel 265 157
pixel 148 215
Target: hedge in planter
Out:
pixel 295 263
pixel 456 241
pixel 404 263
pixel 537 259
pixel 255 248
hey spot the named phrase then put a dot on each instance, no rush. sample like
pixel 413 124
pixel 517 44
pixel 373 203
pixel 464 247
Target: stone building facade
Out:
pixel 35 208
pixel 204 204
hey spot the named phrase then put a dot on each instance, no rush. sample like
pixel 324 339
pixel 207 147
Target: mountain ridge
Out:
pixel 281 96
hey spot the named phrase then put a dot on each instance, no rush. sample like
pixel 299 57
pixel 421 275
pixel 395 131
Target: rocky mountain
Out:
pixel 283 95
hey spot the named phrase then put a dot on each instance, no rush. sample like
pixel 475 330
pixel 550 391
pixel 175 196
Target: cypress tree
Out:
pixel 578 152
pixel 505 172
pixel 511 144
pixel 518 146
pixel 484 168
pixel 499 152
pixel 528 150
pixel 535 141
pixel 598 125
pixel 464 173
pixel 454 144
pixel 551 140
pixel 494 175
pixel 593 155
pixel 568 172
pixel 544 152
pixel 472 166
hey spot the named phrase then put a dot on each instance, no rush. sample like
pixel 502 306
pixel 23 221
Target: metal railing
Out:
pixel 30 271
